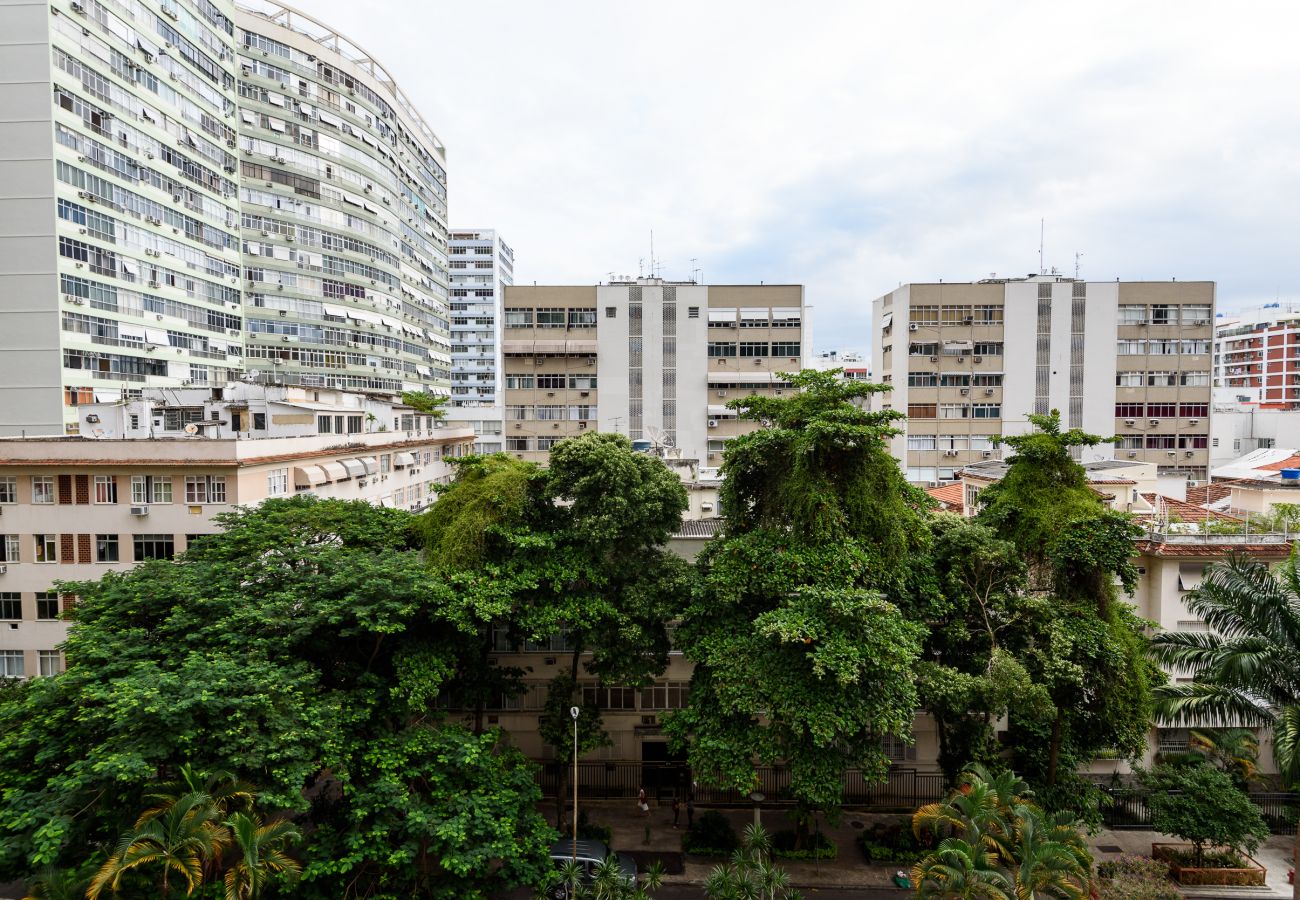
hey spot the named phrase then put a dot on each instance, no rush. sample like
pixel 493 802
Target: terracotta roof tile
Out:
pixel 1291 462
pixel 1208 493
pixel 1168 507
pixel 950 495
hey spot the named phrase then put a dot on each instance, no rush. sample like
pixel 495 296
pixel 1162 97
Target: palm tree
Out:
pixel 179 838
pixel 227 793
pixel 262 854
pixel 961 870
pixel 1233 750
pixel 1044 865
pixel 1246 670
pixel 750 875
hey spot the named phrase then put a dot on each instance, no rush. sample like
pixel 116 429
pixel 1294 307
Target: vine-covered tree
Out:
pixel 802 653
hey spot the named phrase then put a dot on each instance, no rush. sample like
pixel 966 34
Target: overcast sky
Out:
pixel 853 146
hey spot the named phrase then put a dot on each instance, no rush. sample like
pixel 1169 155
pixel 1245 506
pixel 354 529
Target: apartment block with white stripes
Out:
pixel 968 362
pixel 482 267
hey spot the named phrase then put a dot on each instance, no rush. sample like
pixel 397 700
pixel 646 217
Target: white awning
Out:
pixel 335 471
pixel 275 98
pixel 338 311
pixel 373 318
pixel 351 198
pixel 716 411
pixel 329 118
pixel 156 336
pixel 130 266
pixel 309 476
pixel 722 315
pixel 354 467
pixel 107 396
pixel 248 117
pixel 741 377
pixel 135 332
pixel 753 313
pixel 403 459
pixel 580 347
pixel 887 321
pixel 1190 576
pixel 387 501
pixel 425 371
pixel 275 124
pixel 371 464
pixel 957 347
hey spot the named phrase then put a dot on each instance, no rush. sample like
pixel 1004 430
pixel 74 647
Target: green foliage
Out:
pixel 1248 665
pixel 555 724
pixel 590 831
pixel 473 518
pixel 303 643
pixel 892 843
pixel 802 653
pixel 711 835
pixel 1135 878
pixel 750 872
pixel 789 844
pixel 425 403
pixel 1201 804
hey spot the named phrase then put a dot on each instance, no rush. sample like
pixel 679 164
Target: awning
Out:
pixel 1190 576
pixel 371 464
pixel 354 467
pixel 722 315
pixel 307 476
pixel 335 471
pixel 741 377
pixel 275 98
pixel 752 313
pixel 134 332
pixel 387 501
pixel 337 311
pixel 372 318
pixel 156 336
pixel 887 321
pixel 403 459
pixel 329 118
pixel 958 347
pixel 579 346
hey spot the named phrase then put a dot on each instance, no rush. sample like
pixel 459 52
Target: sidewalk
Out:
pixel 637 833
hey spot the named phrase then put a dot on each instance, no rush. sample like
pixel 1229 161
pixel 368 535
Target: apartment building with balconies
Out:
pixel 968 362
pixel 147 475
pixel 482 267
pixel 654 360
pixel 1257 358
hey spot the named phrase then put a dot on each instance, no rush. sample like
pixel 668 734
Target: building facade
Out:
pixel 969 362
pixel 189 190
pixel 482 267
pixel 654 360
pixel 1257 358
pixel 148 474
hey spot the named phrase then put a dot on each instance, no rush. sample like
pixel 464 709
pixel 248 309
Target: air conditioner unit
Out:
pixel 1153 421
pixel 965 391
pixel 934 359
pixel 979 359
pixel 1132 454
pixel 913 327
pixel 1193 421
pixel 986 453
pixel 139 510
pixel 988 392
pixel 538 361
pixel 969 320
pixel 722 393
pixel 713 423
pixel 950 453
pixel 3 569
pixel 1130 421
pixel 1173 452
pixel 1190 453
pixel 519 425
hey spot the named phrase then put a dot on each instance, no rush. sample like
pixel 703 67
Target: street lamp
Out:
pixel 573 711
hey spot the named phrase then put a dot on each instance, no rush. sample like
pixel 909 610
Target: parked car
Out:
pixel 590 855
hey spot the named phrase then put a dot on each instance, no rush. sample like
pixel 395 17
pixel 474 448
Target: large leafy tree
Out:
pixel 1082 649
pixel 802 653
pixel 303 646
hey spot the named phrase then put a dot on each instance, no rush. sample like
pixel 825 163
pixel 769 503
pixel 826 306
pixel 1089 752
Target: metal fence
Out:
pixel 1127 808
pixel 901 789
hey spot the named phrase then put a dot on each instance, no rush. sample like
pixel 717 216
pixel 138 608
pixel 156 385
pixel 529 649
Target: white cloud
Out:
pixel 851 146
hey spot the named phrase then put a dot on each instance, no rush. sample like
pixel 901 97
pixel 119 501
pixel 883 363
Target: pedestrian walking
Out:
pixel 641 802
pixel 677 809
pixel 690 811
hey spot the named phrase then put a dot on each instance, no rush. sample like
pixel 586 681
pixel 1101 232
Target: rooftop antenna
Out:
pixel 694 269
pixel 652 253
pixel 640 267
pixel 1042 231
pixel 1078 254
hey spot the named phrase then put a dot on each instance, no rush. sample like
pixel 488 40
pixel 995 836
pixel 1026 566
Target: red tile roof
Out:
pixel 1208 493
pixel 950 495
pixel 1291 462
pixel 1168 507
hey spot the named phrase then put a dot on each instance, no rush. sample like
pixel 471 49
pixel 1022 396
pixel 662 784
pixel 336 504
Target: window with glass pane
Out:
pixel 9 548
pixel 8 489
pixel 154 546
pixel 51 663
pixel 42 488
pixel 47 605
pixel 106 548
pixel 11 605
pixel 105 489
pixel 11 664
pixel 47 548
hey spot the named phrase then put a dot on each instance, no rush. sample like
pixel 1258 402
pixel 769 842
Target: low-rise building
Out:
pixel 148 474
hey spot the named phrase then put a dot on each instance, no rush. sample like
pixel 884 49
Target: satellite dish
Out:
pixel 191 428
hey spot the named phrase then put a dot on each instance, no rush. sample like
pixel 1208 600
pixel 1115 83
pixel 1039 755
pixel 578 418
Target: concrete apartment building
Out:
pixel 146 476
pixel 1257 357
pixel 651 359
pixel 969 361
pixel 482 267
pixel 189 189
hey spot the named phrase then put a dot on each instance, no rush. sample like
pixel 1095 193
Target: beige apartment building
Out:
pixel 968 362
pixel 76 508
pixel 651 359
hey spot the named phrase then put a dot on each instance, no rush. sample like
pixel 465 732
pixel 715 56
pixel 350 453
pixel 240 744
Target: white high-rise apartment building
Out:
pixel 969 362
pixel 189 190
pixel 343 197
pixel 482 267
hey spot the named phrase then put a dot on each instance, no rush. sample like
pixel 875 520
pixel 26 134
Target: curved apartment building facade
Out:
pixel 343 206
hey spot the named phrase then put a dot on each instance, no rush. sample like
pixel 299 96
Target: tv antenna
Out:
pixel 1042 231
pixel 1078 255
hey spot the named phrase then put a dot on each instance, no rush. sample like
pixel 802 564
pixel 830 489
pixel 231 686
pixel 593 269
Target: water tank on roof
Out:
pixel 640 446
pixel 1291 474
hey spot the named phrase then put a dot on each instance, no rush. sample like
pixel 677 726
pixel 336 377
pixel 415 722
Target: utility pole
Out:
pixel 573 711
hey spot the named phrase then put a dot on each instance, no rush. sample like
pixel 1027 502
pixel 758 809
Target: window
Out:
pixel 1129 379
pixel 1161 410
pixel 47 548
pixel 520 382
pixel 670 695
pixel 986 410
pixel 519 318
pixel 1194 379
pixel 1193 410
pixel 1193 442
pixel 721 349
pixel 1132 315
pixel 11 605
pixel 982 442
pixel 925 315
pixel 47 605
pixel 921 411
pixel 1194 314
pixel 611 312
pixel 1130 442
pixel 609 697
pixel 988 315
pixel 922 379
pixel 1163 314
pixel 154 546
pixel 954 380
pixel 1130 348
pixel 547 443
pixel 550 318
pixel 954 411
pixel 753 348
pixel 988 348
pixel 551 382
pixel 1162 379
pixel 786 348
pixel 1162 348
pixel 1195 348
pixel 11 664
pixel 582 318
pixel 1161 442
pixel 259 421
pixel 51 663
pixel 386 463
pixel 8 489
pixel 955 315
pixel 518 443
pixel 105 489
pixel 921 474
pixel 151 489
pixel 205 489
pixel 986 379
pixel 1129 411
pixel 277 482
pixel 42 488
pixel 106 548
pixel 9 548
pixel 927 349
pixel 582 382
pixel 920 442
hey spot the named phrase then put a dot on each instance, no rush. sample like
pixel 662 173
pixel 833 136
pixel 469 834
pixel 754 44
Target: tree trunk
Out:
pixel 1295 864
pixel 1054 754
pixel 485 650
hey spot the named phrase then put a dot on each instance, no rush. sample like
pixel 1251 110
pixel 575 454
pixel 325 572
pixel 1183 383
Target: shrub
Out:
pixel 1135 878
pixel 711 835
pixel 890 844
pixel 588 831
pixel 819 846
pixel 1202 805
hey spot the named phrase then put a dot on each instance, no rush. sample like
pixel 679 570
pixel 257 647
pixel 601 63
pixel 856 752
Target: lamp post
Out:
pixel 573 711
